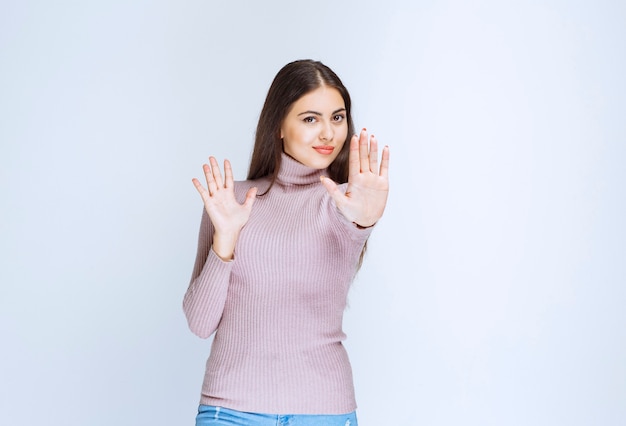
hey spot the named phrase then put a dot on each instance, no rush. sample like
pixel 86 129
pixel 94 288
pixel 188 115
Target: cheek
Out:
pixel 300 136
pixel 342 134
pixel 293 140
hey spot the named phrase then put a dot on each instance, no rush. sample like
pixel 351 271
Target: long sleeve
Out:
pixel 204 300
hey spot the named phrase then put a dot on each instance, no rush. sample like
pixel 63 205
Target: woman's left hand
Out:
pixel 368 186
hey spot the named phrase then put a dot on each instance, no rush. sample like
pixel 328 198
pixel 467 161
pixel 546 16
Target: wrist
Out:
pixel 224 245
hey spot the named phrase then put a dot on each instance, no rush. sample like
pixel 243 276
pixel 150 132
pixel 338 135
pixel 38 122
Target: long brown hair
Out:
pixel 293 81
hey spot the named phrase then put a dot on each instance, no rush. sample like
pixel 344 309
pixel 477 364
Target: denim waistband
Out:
pixel 209 415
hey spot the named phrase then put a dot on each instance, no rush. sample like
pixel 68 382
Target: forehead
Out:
pixel 322 99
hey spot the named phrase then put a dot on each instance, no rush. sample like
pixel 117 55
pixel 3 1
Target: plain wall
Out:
pixel 493 291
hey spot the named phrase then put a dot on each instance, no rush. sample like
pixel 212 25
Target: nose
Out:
pixel 327 132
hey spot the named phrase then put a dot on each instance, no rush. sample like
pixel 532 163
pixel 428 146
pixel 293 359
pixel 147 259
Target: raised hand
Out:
pixel 225 212
pixel 368 186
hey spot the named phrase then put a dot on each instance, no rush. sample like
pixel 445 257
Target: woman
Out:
pixel 276 256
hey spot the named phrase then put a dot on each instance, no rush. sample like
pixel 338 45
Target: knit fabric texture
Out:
pixel 277 307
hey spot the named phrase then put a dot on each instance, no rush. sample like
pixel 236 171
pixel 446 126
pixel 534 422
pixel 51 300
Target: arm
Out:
pixel 222 221
pixel 206 295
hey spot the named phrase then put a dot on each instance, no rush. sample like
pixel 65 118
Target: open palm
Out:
pixel 227 215
pixel 368 185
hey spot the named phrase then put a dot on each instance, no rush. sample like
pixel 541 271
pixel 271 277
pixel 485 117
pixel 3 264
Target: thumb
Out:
pixel 250 197
pixel 333 190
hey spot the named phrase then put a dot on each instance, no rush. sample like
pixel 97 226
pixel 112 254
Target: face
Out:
pixel 315 128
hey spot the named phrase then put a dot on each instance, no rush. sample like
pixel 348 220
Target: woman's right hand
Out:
pixel 225 212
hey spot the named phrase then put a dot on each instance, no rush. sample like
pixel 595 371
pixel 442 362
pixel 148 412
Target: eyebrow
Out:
pixel 320 114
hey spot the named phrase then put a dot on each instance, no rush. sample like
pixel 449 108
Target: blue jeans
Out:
pixel 209 415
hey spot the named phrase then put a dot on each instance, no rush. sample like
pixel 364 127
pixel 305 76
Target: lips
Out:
pixel 324 149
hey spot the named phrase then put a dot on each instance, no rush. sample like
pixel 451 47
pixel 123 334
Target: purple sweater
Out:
pixel 277 307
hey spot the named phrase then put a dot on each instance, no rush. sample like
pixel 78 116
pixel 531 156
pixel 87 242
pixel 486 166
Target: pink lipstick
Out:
pixel 324 149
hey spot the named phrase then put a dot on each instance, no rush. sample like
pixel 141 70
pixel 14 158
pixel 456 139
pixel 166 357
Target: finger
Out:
pixel 228 173
pixel 217 175
pixel 203 192
pixel 250 198
pixel 373 156
pixel 363 152
pixel 210 181
pixel 333 190
pixel 384 163
pixel 354 167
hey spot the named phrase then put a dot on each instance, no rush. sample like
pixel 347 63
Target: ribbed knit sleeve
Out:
pixel 204 300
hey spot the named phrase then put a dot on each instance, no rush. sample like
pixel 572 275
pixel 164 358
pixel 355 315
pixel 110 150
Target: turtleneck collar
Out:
pixel 293 172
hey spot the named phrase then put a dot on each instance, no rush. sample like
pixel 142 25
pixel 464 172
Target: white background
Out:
pixel 493 292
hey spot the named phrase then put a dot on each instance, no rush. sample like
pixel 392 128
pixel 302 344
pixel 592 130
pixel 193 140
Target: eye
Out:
pixel 339 117
pixel 309 119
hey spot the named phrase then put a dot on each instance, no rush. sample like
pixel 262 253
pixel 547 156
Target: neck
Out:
pixel 292 172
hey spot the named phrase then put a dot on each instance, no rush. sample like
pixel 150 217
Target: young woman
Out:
pixel 276 256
